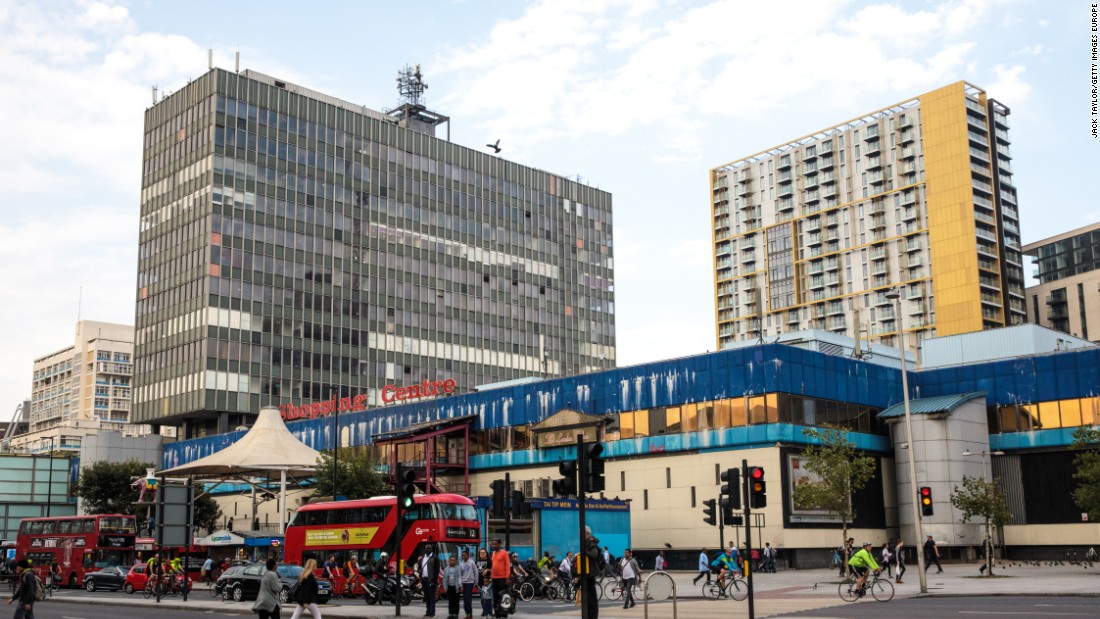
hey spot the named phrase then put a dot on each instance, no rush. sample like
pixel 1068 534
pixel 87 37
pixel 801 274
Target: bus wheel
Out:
pixel 72 581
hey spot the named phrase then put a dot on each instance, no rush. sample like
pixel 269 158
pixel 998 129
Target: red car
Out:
pixel 138 578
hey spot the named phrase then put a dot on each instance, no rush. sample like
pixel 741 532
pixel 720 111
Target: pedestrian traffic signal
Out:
pixel 731 490
pixel 500 497
pixel 567 485
pixel 730 519
pixel 594 465
pixel 926 501
pixel 758 489
pixel 406 487
pixel 709 515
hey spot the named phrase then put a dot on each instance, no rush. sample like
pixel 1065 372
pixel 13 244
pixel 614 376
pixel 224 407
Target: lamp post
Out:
pixel 988 543
pixel 895 295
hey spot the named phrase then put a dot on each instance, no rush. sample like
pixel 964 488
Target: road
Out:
pixel 1007 607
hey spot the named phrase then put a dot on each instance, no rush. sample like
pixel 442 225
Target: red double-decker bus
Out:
pixel 78 544
pixel 366 527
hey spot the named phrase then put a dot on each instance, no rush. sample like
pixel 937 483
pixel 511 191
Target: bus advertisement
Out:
pixel 78 544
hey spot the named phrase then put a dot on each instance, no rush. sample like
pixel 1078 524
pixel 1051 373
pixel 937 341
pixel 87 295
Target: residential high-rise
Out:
pixel 81 388
pixel 812 233
pixel 303 251
pixel 1067 297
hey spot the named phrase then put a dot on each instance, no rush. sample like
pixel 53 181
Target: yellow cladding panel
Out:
pixel 951 231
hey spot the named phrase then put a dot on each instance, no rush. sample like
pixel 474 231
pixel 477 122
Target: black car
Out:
pixel 111 578
pixel 242 582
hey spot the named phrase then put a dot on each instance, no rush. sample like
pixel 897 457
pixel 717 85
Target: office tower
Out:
pixel 812 233
pixel 1067 297
pixel 304 251
pixel 80 389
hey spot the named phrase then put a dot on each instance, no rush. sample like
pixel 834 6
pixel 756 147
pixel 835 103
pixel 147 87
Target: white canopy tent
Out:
pixel 266 448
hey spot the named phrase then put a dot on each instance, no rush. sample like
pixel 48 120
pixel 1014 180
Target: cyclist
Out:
pixel 54 580
pixel 353 574
pixel 862 562
pixel 726 564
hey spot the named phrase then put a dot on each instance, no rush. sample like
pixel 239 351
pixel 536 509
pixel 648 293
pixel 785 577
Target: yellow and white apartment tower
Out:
pixel 811 234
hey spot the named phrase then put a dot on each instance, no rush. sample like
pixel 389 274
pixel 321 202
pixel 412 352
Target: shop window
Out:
pixel 705 416
pixel 722 414
pixel 626 425
pixel 772 400
pixel 687 418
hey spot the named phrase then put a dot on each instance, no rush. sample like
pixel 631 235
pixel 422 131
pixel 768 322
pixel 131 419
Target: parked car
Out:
pixel 242 582
pixel 136 578
pixel 111 578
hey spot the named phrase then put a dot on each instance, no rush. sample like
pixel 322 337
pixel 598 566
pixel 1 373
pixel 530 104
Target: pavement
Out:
pixel 775 594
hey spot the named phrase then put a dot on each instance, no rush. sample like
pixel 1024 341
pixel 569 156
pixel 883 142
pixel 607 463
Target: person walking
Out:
pixel 887 557
pixel 429 575
pixel 630 571
pixel 704 567
pixel 659 564
pixel 501 570
pixel 932 555
pixel 208 570
pixel 452 582
pixel 307 592
pixel 769 558
pixel 986 551
pixel 24 591
pixel 899 558
pixel 467 577
pixel 587 560
pixel 267 599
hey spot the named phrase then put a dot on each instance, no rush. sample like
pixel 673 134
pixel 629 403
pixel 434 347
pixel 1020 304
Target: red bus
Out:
pixel 365 528
pixel 78 544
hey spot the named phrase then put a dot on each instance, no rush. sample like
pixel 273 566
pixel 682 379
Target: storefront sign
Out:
pixel 558 438
pixel 428 388
pixel 340 537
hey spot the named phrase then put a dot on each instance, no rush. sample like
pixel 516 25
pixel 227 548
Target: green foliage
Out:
pixel 842 469
pixel 1087 464
pixel 356 477
pixel 104 487
pixel 207 513
pixel 978 498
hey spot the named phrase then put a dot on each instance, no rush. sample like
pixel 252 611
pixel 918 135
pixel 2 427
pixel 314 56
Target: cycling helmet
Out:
pixel 867 544
pixel 383 555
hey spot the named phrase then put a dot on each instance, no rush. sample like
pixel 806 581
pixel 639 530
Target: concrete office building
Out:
pixel 81 389
pixel 988 404
pixel 812 233
pixel 296 247
pixel 1067 297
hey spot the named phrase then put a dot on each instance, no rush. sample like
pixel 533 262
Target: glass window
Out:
pixel 1090 411
pixel 657 422
pixel 672 419
pixel 722 414
pixel 641 423
pixel 687 418
pixel 1048 416
pixel 1071 413
pixel 757 410
pixel 705 415
pixel 738 417
pixel 772 400
pixel 1008 419
pixel 626 425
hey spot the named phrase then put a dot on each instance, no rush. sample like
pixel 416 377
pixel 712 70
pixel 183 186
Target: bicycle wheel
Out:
pixel 712 590
pixel 527 592
pixel 613 590
pixel 882 590
pixel 738 589
pixel 848 590
pixel 147 592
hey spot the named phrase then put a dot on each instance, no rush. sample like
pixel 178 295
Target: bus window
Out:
pixel 89 525
pixel 25 528
pixel 36 527
pixel 49 526
pixel 65 526
pixel 88 560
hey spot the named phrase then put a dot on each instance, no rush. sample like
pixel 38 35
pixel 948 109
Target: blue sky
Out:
pixel 640 98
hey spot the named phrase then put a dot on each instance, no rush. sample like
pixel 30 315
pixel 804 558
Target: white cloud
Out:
pixel 1030 50
pixel 1009 85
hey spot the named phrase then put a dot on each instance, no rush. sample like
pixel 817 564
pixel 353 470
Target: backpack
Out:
pixel 39 589
pixel 292 594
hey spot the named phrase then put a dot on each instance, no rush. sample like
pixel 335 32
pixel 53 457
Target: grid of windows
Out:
pixel 302 250
pixel 1061 259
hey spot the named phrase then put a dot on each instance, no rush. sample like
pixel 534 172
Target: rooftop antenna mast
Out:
pixel 412 113
pixel 411 85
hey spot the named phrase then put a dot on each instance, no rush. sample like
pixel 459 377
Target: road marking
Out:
pixel 1004 612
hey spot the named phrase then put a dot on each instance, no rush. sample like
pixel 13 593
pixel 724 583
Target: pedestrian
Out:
pixel 899 557
pixel 986 555
pixel 607 570
pixel 482 563
pixel 659 564
pixel 628 566
pixel 501 570
pixel 452 582
pixel 267 598
pixel 887 556
pixel 486 594
pixel 467 576
pixel 587 561
pixel 208 569
pixel 704 567
pixel 306 596
pixel 932 555
pixel 429 575
pixel 565 569
pixel 769 557
pixel 24 591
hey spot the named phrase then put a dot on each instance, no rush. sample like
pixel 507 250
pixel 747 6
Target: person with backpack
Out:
pixel 26 593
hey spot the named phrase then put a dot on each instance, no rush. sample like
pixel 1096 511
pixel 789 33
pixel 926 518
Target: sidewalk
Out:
pixel 787 591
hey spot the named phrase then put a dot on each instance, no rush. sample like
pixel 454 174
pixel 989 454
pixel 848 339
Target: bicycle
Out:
pixel 735 588
pixel 354 587
pixel 881 589
pixel 614 588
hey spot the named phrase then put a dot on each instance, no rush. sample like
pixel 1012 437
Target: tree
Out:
pixel 355 474
pixel 207 513
pixel 981 498
pixel 1086 440
pixel 105 488
pixel 841 470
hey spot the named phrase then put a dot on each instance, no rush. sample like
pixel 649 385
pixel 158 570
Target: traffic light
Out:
pixel 926 501
pixel 731 520
pixel 406 487
pixel 731 490
pixel 500 497
pixel 567 485
pixel 758 489
pixel 709 515
pixel 593 462
pixel 520 508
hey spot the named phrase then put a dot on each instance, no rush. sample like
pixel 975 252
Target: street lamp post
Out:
pixel 988 543
pixel 895 295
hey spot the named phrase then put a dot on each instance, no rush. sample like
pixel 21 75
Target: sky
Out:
pixel 637 97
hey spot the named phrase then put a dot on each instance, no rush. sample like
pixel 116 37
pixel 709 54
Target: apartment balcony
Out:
pixel 744 188
pixel 811 224
pixel 879 268
pixel 835 308
pixel 826 163
pixel 811 184
pixel 871 133
pixel 878 253
pixel 812 240
pixel 815 267
pixel 980 154
pixel 914 261
pixel 872 148
pixel 809 154
pixel 908 152
pixel 908 136
pixel 908 214
pixel 784 163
